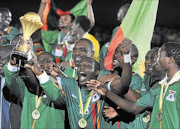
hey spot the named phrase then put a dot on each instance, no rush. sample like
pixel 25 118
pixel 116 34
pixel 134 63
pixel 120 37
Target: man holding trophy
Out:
pixel 36 106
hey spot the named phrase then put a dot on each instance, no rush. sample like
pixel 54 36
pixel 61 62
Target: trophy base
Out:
pixel 20 57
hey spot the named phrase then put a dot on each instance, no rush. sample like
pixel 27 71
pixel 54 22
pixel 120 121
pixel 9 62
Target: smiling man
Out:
pixel 7 32
pixel 37 111
pixel 82 48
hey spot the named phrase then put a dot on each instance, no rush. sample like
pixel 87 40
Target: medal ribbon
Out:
pixel 38 101
pixel 162 94
pixel 59 37
pixel 87 103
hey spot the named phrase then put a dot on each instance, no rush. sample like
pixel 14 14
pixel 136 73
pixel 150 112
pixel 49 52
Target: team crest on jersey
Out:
pixel 95 97
pixel 171 97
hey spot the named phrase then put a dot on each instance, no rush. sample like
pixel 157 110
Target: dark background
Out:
pixel 105 10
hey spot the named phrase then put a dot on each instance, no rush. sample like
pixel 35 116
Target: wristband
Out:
pixel 127 58
pixel 43 78
pixel 70 63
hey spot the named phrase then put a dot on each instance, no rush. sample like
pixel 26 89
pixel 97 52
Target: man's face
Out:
pixel 80 50
pixel 5 18
pixel 74 33
pixel 86 71
pixel 46 63
pixel 65 21
pixel 118 57
pixel 120 15
pixel 162 58
pixel 155 68
pixel 148 62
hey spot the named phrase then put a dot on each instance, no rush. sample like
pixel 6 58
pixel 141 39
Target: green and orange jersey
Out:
pixel 51 116
pixel 11 32
pixel 93 114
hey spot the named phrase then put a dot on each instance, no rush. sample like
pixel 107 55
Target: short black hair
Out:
pixel 72 17
pixel 49 55
pixel 84 22
pixel 88 41
pixel 90 59
pixel 173 50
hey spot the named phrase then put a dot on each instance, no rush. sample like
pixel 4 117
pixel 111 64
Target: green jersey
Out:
pixel 71 72
pixel 11 32
pixel 170 108
pixel 136 82
pixel 50 117
pixel 70 95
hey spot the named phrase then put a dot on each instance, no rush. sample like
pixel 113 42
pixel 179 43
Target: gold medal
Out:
pixel 82 123
pixel 159 116
pixel 146 117
pixel 35 114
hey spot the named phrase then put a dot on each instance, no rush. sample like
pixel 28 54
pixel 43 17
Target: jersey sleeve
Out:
pixel 136 83
pixel 53 91
pixel 14 82
pixel 147 100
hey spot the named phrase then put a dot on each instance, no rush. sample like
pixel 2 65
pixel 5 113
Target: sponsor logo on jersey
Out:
pixel 95 97
pixel 171 97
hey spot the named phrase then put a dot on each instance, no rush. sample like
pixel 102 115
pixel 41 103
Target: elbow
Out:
pixel 133 109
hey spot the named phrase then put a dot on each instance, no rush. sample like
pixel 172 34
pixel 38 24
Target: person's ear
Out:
pixel 97 72
pixel 92 54
pixel 133 59
pixel 171 60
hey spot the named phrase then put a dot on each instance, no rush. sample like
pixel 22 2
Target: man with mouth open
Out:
pixel 84 109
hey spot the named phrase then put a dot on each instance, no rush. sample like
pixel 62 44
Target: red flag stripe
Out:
pixel 94 115
pixel 119 36
pixel 45 15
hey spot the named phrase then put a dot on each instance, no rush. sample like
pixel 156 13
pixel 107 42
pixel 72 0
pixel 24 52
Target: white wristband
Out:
pixel 127 58
pixel 12 68
pixel 70 63
pixel 43 78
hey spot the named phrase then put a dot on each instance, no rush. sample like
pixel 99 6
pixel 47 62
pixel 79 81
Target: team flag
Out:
pixel 51 13
pixel 138 26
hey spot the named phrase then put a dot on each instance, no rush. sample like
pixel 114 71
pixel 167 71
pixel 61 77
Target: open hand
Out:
pixel 34 66
pixel 107 78
pixel 109 112
pixel 98 86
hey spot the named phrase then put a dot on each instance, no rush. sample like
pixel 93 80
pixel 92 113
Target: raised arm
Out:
pixel 41 8
pixel 121 85
pixel 90 13
pixel 124 104
pixel 13 81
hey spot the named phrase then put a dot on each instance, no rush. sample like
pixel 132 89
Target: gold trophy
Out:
pixel 30 22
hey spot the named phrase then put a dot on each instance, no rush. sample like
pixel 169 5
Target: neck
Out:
pixel 65 30
pixel 81 33
pixel 171 72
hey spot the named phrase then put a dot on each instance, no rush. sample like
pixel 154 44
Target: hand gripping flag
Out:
pixel 138 26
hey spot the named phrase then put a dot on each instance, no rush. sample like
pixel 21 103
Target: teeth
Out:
pixel 115 61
